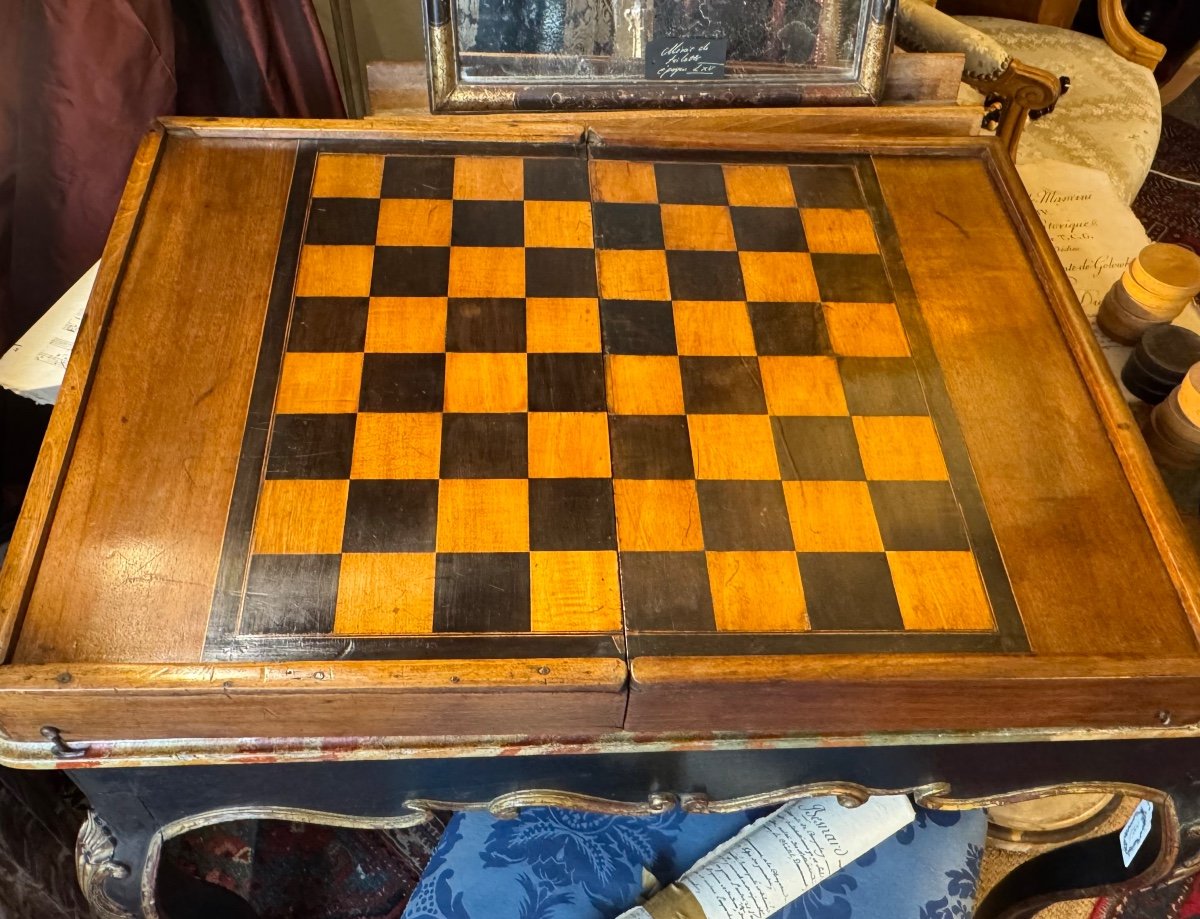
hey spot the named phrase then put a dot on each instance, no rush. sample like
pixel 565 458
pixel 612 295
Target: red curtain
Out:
pixel 80 83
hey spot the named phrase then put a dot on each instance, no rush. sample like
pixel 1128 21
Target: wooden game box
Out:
pixel 464 429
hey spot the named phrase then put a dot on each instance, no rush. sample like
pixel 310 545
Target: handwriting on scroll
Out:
pixel 686 58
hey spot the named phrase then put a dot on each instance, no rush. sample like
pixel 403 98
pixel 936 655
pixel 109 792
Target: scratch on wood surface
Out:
pixel 958 226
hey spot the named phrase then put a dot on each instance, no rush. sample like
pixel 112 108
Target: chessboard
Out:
pixel 598 405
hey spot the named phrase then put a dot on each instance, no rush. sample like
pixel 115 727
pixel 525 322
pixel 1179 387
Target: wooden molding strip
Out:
pixel 644 137
pixel 490 129
pixel 558 675
pixel 924 668
pixel 525 674
pixel 283 749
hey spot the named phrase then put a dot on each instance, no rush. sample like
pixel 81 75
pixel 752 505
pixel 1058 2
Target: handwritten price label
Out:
pixel 1136 829
pixel 686 58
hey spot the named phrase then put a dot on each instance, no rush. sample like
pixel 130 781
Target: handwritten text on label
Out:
pixel 686 58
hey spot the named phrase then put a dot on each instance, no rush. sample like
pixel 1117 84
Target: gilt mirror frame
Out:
pixel 846 62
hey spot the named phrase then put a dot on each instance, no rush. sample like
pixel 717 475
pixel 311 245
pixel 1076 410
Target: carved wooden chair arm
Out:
pixel 1022 91
pixel 1019 89
pixel 1124 39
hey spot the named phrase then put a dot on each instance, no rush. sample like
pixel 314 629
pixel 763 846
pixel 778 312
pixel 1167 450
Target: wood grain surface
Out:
pixel 28 541
pixel 332 699
pixel 849 694
pixel 130 567
pixel 1068 524
pixel 111 578
pixel 1175 545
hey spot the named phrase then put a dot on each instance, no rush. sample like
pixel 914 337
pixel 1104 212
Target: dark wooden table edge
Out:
pixel 123 754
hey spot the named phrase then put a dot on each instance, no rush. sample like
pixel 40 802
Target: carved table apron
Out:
pixel 458 463
pixel 136 810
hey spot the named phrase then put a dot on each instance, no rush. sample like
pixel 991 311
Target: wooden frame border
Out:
pixel 42 693
pixel 54 457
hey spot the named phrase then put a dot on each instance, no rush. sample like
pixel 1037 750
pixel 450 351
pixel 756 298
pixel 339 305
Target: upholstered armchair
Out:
pixel 1109 120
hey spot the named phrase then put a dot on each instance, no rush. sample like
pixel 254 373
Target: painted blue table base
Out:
pixel 557 864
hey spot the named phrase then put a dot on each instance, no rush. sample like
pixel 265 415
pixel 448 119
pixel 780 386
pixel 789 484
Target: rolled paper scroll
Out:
pixel 776 859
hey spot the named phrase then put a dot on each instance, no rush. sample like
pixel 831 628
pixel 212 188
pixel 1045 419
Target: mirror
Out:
pixel 496 54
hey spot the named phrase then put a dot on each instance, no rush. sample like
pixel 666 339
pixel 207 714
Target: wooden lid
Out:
pixel 1168 352
pixel 1139 300
pixel 1168 270
pixel 1165 444
pixel 1120 324
pixel 1160 361
pixel 1175 425
pixel 1189 396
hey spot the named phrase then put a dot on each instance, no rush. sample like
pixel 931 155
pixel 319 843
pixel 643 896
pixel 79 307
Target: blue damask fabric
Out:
pixel 557 864
pixel 928 870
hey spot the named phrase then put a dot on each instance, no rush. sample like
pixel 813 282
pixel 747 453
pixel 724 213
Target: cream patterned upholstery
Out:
pixel 1112 115
pixel 920 27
